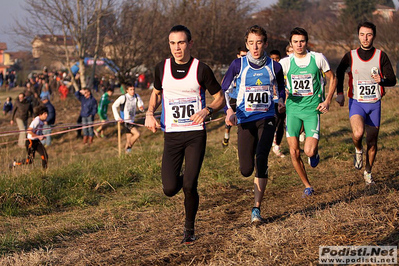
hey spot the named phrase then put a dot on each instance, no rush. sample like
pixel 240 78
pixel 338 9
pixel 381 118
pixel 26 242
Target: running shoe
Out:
pixel 189 237
pixel 255 216
pixel 309 191
pixel 225 142
pixel 277 151
pixel 358 159
pixel 96 133
pixel 274 140
pixel 368 178
pixel 302 137
pixel 314 160
pixel 128 150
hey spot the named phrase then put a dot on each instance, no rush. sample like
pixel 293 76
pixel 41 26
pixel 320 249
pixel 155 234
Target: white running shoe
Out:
pixel 302 137
pixel 368 178
pixel 277 151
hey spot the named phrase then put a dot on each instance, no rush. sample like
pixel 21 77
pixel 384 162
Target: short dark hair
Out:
pixel 86 89
pixel 258 30
pixel 129 84
pixel 242 49
pixel 41 109
pixel 276 52
pixel 367 24
pixel 179 28
pixel 299 31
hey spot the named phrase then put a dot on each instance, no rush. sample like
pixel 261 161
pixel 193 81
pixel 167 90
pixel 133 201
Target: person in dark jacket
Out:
pixel 50 121
pixel 7 107
pixel 22 111
pixel 87 112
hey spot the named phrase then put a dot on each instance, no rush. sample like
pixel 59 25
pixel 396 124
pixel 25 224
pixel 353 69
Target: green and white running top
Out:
pixel 304 81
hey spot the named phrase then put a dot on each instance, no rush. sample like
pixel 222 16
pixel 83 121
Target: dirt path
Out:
pixel 342 214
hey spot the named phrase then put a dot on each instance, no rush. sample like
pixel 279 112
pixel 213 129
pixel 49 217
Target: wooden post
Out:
pixel 119 139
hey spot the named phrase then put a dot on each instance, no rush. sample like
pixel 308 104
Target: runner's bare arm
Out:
pixel 155 100
pixel 217 104
pixel 324 106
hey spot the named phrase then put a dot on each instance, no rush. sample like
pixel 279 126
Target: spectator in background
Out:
pixel 29 92
pixel 11 78
pixel 1 78
pixel 63 90
pixel 45 91
pixel 22 111
pixel 102 112
pixel 53 84
pixel 87 112
pixel 128 104
pixel 7 107
pixel 34 137
pixel 50 121
pixel 96 83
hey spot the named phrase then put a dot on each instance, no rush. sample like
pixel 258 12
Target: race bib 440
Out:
pixel 257 98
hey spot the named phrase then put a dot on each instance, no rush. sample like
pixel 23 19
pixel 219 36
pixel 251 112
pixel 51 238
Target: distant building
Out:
pixel 3 67
pixel 49 50
pixel 51 44
pixel 385 12
pixel 12 58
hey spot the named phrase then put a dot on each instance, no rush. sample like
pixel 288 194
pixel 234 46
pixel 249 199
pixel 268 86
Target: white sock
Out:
pixel 226 135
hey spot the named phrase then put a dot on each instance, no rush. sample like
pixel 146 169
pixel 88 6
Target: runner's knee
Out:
pixel 246 170
pixel 171 191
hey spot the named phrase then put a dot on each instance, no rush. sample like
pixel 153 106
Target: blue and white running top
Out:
pixel 255 91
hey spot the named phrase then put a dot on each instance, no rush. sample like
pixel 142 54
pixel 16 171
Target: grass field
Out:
pixel 92 207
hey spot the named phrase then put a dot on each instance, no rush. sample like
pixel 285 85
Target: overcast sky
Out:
pixel 11 10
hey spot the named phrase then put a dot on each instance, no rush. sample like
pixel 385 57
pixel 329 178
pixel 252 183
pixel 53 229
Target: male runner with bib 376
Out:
pixel 180 84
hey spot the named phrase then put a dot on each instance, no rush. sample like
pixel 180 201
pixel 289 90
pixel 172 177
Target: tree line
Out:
pixel 134 33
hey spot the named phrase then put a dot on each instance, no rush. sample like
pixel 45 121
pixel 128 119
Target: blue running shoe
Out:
pixel 255 216
pixel 309 191
pixel 314 161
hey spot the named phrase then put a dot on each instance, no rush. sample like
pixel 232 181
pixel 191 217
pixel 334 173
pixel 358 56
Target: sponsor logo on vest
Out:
pixel 258 82
pixel 190 90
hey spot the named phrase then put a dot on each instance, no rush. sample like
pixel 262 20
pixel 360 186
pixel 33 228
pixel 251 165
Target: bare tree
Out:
pixel 388 38
pixel 75 20
pixel 134 36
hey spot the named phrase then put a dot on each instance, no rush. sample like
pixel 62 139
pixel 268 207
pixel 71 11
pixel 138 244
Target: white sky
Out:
pixel 11 10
